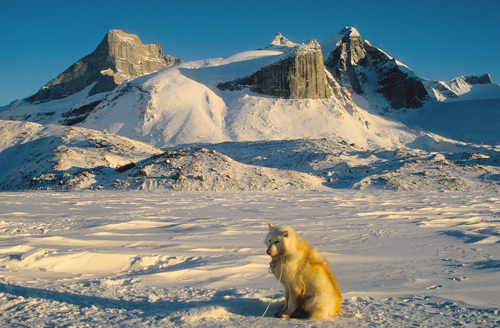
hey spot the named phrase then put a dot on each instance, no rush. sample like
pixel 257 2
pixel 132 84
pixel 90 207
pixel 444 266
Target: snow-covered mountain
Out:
pixel 184 104
pixel 370 72
pixel 120 56
pixel 337 114
pixel 336 89
pixel 443 91
pixel 466 109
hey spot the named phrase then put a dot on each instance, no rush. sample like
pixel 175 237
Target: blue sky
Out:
pixel 438 39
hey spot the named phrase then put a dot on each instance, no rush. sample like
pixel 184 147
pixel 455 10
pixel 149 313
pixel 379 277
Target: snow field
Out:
pixel 119 259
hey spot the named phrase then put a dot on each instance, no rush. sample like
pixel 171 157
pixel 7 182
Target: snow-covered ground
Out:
pixel 197 259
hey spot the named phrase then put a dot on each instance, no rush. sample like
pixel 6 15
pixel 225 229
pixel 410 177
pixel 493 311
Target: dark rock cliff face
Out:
pixel 478 79
pixel 300 74
pixel 344 61
pixel 401 89
pixel 353 63
pixel 118 57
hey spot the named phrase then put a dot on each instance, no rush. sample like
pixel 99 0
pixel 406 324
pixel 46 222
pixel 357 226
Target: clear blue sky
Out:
pixel 437 39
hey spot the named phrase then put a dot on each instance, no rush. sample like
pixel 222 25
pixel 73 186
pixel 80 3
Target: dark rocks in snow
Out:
pixel 76 115
pixel 300 74
pixel 125 168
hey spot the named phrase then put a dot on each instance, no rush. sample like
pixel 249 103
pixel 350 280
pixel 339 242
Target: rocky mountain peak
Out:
pixel 280 40
pixel 345 58
pixel 119 56
pixel 350 31
pixel 365 69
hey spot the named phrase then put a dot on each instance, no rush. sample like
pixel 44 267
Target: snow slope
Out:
pixel 181 105
pixel 128 259
pixel 50 112
pixel 37 157
pixel 470 113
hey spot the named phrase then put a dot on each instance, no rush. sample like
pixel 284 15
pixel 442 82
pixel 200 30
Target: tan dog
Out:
pixel 311 289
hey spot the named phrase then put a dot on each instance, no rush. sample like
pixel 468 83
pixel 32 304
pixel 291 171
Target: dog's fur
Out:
pixel 311 289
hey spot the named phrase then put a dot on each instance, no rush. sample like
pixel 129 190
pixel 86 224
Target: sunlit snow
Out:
pixel 198 260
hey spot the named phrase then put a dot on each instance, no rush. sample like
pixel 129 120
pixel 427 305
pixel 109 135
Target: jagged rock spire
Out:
pixel 118 57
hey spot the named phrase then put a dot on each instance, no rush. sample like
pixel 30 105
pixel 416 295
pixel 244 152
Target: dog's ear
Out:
pixel 285 234
pixel 270 226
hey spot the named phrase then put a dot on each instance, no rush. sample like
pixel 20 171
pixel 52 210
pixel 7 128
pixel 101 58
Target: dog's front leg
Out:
pixel 287 295
pixel 294 301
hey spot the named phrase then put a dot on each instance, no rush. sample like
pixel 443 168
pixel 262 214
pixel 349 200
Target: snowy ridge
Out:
pixel 181 105
pixel 69 158
pixel 465 86
pixel 280 40
pixel 50 112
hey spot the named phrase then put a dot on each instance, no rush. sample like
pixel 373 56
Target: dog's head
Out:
pixel 279 240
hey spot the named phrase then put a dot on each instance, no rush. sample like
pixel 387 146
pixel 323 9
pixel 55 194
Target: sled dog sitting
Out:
pixel 311 289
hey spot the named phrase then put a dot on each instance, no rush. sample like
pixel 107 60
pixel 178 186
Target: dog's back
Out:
pixel 322 298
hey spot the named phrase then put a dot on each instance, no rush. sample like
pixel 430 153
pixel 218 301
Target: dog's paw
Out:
pixel 282 315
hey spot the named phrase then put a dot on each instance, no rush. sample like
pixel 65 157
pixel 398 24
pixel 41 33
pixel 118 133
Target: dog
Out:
pixel 311 288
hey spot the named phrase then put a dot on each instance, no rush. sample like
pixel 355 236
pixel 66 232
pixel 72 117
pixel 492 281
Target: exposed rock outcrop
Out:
pixel 280 40
pixel 364 68
pixel 478 79
pixel 120 56
pixel 347 59
pixel 452 89
pixel 298 74
pixel 398 84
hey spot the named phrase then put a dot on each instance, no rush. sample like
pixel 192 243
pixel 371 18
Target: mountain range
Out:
pixel 341 95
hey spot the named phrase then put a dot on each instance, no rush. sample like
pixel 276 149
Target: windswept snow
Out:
pixel 122 259
pixel 464 112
